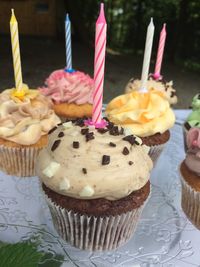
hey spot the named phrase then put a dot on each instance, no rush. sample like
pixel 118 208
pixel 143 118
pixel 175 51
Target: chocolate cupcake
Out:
pixel 96 182
pixel 190 177
pixel 147 115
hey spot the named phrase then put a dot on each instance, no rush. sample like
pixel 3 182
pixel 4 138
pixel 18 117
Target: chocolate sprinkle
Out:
pixel 59 124
pixel 75 144
pixel 112 144
pixel 105 160
pixel 125 151
pixel 55 145
pixel 52 130
pixel 130 139
pixel 114 131
pixel 84 170
pixel 89 136
pixel 61 134
pixel 130 162
pixel 84 131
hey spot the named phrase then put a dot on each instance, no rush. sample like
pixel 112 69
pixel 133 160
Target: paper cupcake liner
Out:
pixel 91 232
pixel 190 200
pixel 155 152
pixel 18 161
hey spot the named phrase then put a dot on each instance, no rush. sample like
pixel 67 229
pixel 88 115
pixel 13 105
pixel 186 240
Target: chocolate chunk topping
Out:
pixel 102 130
pixel 59 124
pixel 89 136
pixel 125 151
pixel 61 134
pixel 55 145
pixel 121 131
pixel 130 162
pixel 114 130
pixel 84 170
pixel 75 144
pixel 52 130
pixel 112 144
pixel 105 160
pixel 172 94
pixel 130 139
pixel 187 125
pixel 84 131
pixel 110 125
pixel 79 122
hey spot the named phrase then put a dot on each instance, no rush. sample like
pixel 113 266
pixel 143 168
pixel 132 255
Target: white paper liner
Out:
pixel 190 202
pixel 91 232
pixel 18 161
pixel 155 152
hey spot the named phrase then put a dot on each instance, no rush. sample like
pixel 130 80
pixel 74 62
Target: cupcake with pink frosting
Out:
pixel 190 177
pixel 71 92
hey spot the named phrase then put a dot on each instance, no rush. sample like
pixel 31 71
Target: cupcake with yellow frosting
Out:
pixel 26 117
pixel 147 115
pixel 95 204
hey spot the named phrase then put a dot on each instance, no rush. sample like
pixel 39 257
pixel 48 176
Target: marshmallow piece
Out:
pixel 51 169
pixel 138 139
pixel 64 184
pixel 87 191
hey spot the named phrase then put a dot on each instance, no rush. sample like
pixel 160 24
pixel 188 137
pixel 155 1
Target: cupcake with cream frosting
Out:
pixel 169 93
pixel 190 177
pixel 25 121
pixel 71 92
pixel 94 203
pixel 147 115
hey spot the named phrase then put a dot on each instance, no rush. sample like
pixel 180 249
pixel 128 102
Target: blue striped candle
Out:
pixel 68 43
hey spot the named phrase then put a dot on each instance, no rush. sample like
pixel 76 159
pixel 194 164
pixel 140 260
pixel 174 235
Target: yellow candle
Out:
pixel 16 55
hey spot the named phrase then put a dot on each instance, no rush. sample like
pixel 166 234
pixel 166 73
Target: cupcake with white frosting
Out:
pixel 96 182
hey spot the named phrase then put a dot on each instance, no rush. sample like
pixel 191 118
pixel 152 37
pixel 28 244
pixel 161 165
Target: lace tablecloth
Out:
pixel 164 237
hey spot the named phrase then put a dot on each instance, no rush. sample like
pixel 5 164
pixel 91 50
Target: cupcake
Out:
pixel 24 124
pixel 190 177
pixel 193 120
pixel 71 92
pixel 147 115
pixel 161 85
pixel 96 182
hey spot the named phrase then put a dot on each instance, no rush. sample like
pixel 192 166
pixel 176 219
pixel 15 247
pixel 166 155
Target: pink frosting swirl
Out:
pixel 193 153
pixel 76 87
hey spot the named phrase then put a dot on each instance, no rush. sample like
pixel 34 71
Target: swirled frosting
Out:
pixel 76 87
pixel 193 153
pixel 24 122
pixel 85 163
pixel 169 92
pixel 194 117
pixel 144 113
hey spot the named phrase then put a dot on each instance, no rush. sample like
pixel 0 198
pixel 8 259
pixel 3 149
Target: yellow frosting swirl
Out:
pixel 24 121
pixel 144 113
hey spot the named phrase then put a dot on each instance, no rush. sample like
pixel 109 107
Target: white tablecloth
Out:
pixel 164 237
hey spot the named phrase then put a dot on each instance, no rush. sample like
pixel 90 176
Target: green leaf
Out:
pixel 19 255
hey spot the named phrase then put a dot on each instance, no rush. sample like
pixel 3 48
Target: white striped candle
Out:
pixel 68 43
pixel 16 52
pixel 160 52
pixel 99 66
pixel 147 56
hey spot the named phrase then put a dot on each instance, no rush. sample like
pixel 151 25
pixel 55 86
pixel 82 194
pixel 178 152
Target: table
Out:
pixel 164 237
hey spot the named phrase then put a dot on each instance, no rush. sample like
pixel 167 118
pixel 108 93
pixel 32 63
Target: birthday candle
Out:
pixel 147 55
pixel 16 52
pixel 68 43
pixel 99 66
pixel 160 52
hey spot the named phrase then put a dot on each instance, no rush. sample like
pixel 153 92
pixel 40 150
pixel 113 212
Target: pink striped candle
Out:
pixel 160 52
pixel 99 66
